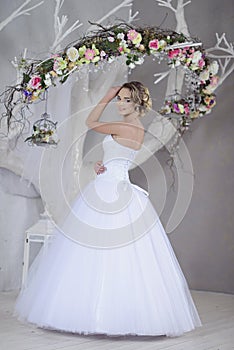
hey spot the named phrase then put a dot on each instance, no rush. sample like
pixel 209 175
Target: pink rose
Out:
pixel 185 49
pixel 54 55
pixel 154 44
pixel 174 53
pixel 214 80
pixel 35 82
pixel 89 54
pixel 201 63
pixel 55 66
pixel 186 109
pixel 132 34
pixel 111 39
pixel 102 53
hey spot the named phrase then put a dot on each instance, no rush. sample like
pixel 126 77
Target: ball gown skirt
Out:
pixel 110 268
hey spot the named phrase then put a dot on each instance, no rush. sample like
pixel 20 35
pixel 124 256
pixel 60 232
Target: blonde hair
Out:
pixel 140 95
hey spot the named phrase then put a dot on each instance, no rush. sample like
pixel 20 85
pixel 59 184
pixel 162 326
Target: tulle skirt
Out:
pixel 133 287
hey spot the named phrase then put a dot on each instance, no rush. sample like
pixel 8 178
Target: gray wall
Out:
pixel 204 240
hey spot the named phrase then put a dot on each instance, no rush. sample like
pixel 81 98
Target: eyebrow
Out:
pixel 125 97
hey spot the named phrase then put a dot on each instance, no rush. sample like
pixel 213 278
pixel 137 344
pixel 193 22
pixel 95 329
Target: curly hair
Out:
pixel 140 95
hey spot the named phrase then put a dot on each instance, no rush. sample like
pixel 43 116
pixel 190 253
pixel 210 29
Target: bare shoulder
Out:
pixel 131 136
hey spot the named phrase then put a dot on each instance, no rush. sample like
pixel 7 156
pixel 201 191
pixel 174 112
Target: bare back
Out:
pixel 133 138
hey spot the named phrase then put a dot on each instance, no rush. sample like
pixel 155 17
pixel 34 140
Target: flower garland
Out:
pixel 105 45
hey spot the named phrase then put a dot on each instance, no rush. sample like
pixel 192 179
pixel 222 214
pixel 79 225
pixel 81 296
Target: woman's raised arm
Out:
pixel 93 119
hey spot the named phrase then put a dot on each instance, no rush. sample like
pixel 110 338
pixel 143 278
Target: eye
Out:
pixel 128 100
pixel 118 98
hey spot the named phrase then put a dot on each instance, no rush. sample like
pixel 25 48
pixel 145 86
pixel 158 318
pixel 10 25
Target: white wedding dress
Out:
pixel 110 268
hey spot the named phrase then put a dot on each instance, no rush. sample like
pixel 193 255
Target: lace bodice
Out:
pixel 117 159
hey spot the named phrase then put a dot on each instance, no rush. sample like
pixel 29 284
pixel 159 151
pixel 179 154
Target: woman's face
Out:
pixel 125 105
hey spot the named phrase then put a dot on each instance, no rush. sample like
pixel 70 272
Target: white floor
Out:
pixel 215 309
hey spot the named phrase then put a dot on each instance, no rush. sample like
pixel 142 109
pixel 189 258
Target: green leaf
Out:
pixel 26 78
pixel 63 79
pixel 48 65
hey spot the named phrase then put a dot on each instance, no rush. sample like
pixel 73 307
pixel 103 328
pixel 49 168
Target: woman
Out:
pixel 113 270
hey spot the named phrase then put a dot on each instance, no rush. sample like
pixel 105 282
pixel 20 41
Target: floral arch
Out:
pixel 105 45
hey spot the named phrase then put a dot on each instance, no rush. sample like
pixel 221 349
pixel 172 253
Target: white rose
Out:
pixel 162 43
pixel 132 65
pixel 166 109
pixel 123 43
pixel 202 108
pixel 102 53
pixel 193 66
pixel 72 54
pixel 196 57
pixel 59 72
pixel 204 75
pixel 140 60
pixel 36 93
pixel 111 59
pixel 209 89
pixel 47 80
pixel 111 39
pixel 120 36
pixel 46 138
pixel 214 67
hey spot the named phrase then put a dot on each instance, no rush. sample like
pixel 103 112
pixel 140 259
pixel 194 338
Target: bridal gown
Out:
pixel 110 268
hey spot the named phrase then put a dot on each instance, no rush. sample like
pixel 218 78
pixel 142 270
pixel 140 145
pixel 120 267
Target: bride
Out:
pixel 110 268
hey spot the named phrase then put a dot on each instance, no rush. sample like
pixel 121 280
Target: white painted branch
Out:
pixel 224 65
pixel 225 75
pixel 60 37
pixel 228 47
pixel 225 47
pixel 179 13
pixel 180 18
pixel 181 27
pixel 18 13
pixel 177 46
pixel 161 76
pixel 220 56
pixel 132 17
pixel 186 3
pixel 166 3
pixel 59 25
pixel 15 64
pixel 125 3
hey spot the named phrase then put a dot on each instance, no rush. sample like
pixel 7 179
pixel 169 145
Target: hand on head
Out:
pixel 112 92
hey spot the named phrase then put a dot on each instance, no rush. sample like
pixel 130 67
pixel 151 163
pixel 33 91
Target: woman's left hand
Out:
pixel 112 92
pixel 99 168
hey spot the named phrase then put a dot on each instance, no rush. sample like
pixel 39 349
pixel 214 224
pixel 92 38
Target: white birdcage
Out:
pixel 44 130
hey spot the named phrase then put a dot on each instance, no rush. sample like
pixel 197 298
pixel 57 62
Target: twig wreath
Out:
pixel 105 45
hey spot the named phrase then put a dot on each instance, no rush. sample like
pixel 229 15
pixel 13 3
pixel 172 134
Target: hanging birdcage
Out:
pixel 44 131
pixel 178 106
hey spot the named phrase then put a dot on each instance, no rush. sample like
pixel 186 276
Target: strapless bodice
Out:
pixel 117 159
